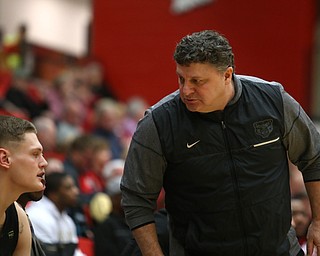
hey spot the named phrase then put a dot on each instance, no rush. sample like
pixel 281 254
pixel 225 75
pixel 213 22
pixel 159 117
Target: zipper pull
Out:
pixel 223 125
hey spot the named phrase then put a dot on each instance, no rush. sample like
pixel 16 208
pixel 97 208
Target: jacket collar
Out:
pixel 237 89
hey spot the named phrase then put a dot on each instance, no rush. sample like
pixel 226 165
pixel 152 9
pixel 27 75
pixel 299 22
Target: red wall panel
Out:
pixel 271 39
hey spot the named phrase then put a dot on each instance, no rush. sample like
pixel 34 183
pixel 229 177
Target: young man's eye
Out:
pixel 37 154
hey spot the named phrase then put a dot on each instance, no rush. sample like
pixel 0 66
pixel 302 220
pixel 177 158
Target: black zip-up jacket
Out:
pixel 230 191
pixel 225 173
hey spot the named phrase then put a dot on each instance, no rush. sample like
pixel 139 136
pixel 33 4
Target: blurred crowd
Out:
pixel 85 132
pixel 300 205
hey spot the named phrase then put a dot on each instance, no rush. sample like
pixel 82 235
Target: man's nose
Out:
pixel 187 88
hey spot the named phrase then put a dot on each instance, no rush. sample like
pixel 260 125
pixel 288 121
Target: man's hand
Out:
pixel 313 238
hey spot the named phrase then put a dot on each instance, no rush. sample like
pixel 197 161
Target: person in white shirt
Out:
pixel 52 225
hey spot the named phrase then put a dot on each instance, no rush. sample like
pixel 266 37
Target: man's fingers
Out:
pixel 310 248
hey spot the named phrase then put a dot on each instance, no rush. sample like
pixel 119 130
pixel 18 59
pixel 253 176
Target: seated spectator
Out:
pixel 112 170
pixel 54 165
pixel 136 107
pixel 108 114
pixel 19 98
pixel 60 90
pixel 113 234
pixel 78 156
pixel 94 74
pixel 47 134
pixel 91 181
pixel 70 124
pixel 52 225
pixel 77 161
pixel 301 218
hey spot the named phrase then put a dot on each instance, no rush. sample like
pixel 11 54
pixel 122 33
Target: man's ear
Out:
pixel 4 158
pixel 228 74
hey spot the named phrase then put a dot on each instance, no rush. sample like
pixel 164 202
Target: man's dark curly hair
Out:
pixel 206 46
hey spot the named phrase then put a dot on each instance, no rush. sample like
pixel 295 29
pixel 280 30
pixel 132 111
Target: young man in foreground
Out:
pixel 22 169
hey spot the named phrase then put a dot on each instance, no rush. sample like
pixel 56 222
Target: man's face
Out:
pixel 68 193
pixel 99 160
pixel 202 87
pixel 27 164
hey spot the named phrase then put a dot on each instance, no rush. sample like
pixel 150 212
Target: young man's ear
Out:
pixel 4 158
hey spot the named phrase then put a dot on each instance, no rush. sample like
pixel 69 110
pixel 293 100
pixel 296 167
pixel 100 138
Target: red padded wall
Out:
pixel 271 39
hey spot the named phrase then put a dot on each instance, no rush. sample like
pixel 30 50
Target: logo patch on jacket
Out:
pixel 11 234
pixel 263 128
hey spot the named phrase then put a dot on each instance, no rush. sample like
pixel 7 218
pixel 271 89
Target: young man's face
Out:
pixel 27 164
pixel 203 88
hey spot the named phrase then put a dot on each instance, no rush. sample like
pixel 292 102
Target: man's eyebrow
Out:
pixel 192 77
pixel 40 149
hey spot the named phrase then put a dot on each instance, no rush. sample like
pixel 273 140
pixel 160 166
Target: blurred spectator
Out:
pixel 108 114
pixel 54 165
pixel 78 159
pixel 135 108
pixel 61 89
pixel 52 225
pixel 47 134
pixel 91 181
pixel 113 170
pixel 113 234
pixel 70 124
pixel 25 51
pixel 22 96
pixel 301 218
pixel 95 78
pixel 19 53
pixel 78 156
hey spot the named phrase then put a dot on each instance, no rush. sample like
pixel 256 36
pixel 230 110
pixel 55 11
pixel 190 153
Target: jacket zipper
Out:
pixel 236 186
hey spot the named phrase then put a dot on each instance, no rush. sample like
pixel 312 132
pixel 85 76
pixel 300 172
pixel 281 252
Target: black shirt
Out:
pixel 9 232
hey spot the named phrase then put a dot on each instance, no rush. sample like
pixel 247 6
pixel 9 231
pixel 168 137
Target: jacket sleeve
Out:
pixel 143 174
pixel 301 139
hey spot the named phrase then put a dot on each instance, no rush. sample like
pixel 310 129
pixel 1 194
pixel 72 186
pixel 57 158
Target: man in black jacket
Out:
pixel 219 146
